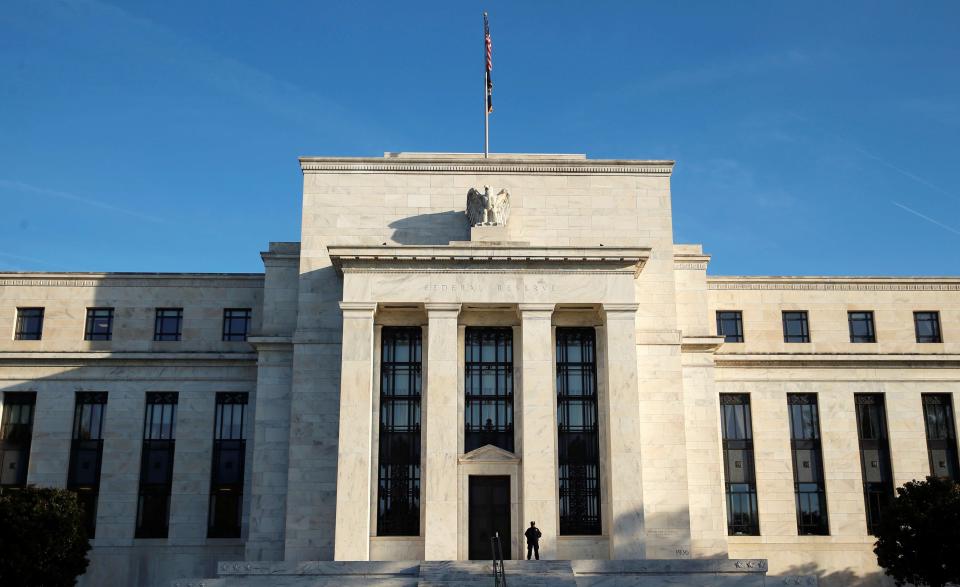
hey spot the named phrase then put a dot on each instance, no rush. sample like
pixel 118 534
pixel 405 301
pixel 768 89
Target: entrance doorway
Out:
pixel 489 512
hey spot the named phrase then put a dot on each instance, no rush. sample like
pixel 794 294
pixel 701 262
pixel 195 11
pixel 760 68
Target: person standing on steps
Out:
pixel 533 540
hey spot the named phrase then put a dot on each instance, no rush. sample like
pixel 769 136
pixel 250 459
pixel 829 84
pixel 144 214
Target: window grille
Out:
pixel 229 457
pixel 86 453
pixel 156 465
pixel 236 324
pixel 874 456
pixel 398 485
pixel 941 435
pixel 927 326
pixel 29 324
pixel 861 327
pixel 730 325
pixel 16 434
pixel 169 324
pixel 99 324
pixel 743 518
pixel 809 485
pixel 796 327
pixel 488 383
pixel 578 442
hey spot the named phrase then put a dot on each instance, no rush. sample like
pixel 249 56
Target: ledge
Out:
pixel 28 279
pixel 262 343
pixel 701 344
pixel 467 257
pixel 475 163
pixel 865 360
pixel 124 359
pixel 828 283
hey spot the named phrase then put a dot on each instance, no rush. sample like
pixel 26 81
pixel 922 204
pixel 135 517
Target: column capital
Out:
pixel 358 309
pixel 529 310
pixel 437 308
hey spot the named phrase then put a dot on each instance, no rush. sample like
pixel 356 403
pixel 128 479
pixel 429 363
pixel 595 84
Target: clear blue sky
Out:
pixel 810 137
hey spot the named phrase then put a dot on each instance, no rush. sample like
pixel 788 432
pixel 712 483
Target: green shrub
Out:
pixel 42 539
pixel 919 537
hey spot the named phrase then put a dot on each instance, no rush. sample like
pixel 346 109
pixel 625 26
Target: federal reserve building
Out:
pixel 461 346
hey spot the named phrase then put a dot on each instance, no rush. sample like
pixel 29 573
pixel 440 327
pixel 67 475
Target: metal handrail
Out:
pixel 496 551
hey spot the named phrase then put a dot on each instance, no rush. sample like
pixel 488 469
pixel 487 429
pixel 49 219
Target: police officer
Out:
pixel 533 540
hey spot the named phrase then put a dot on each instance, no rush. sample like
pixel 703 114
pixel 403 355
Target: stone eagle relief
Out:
pixel 484 209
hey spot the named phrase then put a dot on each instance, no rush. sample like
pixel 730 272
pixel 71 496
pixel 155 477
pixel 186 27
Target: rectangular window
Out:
pixel 16 433
pixel 229 458
pixel 743 518
pixel 236 323
pixel 156 465
pixel 795 327
pixel 941 435
pixel 861 327
pixel 29 324
pixel 398 478
pixel 169 324
pixel 488 386
pixel 874 456
pixel 927 325
pixel 730 325
pixel 578 433
pixel 86 453
pixel 99 324
pixel 809 485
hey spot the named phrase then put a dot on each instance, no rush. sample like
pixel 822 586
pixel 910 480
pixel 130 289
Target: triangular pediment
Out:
pixel 489 454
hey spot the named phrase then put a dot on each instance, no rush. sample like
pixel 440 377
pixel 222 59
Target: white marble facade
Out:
pixel 385 242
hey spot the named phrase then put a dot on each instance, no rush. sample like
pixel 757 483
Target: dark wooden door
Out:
pixel 489 513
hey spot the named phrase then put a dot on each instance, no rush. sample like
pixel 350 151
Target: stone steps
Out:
pixel 518 573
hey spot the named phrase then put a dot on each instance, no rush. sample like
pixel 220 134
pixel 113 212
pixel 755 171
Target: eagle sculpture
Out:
pixel 484 209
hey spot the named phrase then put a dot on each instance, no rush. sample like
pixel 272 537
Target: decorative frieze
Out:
pixel 835 284
pixel 688 266
pixel 252 280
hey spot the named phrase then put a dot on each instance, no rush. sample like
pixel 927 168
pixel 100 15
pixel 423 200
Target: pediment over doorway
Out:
pixel 489 454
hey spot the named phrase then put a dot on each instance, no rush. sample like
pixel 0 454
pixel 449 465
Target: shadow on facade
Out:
pixel 844 578
pixel 438 228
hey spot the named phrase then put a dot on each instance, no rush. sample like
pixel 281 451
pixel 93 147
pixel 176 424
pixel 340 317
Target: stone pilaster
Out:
pixel 271 451
pixel 441 433
pixel 627 536
pixel 355 449
pixel 538 425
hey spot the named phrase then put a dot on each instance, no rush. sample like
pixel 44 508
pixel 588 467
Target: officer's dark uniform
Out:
pixel 533 541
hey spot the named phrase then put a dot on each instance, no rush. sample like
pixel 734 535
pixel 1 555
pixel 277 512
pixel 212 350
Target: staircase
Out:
pixel 518 573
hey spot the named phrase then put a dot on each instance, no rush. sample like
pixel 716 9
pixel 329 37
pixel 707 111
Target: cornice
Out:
pixel 866 360
pixel 819 283
pixel 123 359
pixel 493 165
pixel 486 258
pixel 239 280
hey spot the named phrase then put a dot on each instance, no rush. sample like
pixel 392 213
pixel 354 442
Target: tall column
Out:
pixel 355 448
pixel 440 433
pixel 538 425
pixel 627 540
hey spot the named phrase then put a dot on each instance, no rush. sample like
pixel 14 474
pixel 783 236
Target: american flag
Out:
pixel 488 49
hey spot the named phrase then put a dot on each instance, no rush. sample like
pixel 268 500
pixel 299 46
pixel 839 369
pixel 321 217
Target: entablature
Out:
pixel 474 258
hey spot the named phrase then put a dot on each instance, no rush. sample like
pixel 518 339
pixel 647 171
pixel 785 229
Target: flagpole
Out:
pixel 486 119
pixel 486 86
